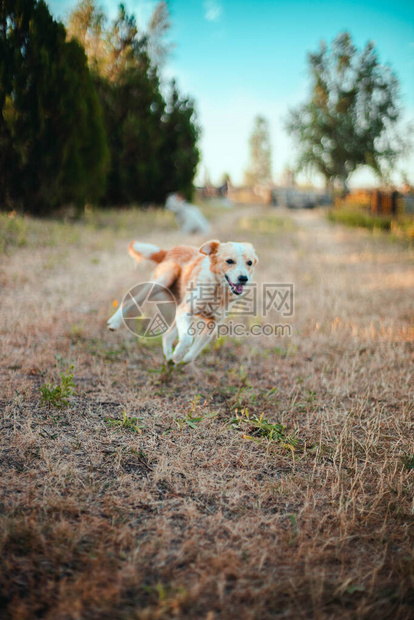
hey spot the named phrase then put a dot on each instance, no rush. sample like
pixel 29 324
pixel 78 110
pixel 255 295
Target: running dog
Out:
pixel 221 269
pixel 189 217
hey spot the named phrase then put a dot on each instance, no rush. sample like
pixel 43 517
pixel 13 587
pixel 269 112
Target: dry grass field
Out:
pixel 272 479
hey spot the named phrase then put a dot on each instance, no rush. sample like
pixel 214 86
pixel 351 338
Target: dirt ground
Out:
pixel 271 479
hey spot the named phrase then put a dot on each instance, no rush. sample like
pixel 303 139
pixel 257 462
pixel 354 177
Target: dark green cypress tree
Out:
pixel 180 154
pixel 133 107
pixel 53 147
pixel 153 144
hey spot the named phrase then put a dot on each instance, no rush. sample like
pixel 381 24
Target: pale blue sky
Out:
pixel 240 58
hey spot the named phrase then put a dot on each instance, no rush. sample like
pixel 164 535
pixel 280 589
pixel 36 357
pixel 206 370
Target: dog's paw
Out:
pixel 182 348
pixel 188 358
pixel 179 359
pixel 113 324
pixel 176 359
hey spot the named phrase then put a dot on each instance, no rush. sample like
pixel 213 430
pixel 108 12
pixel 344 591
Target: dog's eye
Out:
pixel 230 261
pixel 249 262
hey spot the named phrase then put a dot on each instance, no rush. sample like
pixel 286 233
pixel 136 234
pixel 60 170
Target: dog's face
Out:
pixel 232 262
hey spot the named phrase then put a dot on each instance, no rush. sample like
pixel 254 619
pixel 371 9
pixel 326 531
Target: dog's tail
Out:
pixel 146 251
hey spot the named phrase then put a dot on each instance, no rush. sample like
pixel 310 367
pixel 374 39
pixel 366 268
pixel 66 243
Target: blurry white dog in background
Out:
pixel 189 217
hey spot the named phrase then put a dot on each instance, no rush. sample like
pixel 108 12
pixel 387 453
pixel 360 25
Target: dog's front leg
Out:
pixel 200 341
pixel 168 341
pixel 183 322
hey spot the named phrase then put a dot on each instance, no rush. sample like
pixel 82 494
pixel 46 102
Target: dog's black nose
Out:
pixel 243 278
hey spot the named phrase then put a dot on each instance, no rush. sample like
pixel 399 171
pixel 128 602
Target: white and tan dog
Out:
pixel 224 269
pixel 189 217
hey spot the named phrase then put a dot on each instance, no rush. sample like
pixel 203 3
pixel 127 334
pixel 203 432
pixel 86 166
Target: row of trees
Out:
pixel 349 120
pixel 83 114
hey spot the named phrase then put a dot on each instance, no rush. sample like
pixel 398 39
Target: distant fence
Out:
pixel 381 202
pixel 385 203
pixel 361 197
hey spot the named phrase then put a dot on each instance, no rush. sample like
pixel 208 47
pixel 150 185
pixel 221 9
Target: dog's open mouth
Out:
pixel 237 289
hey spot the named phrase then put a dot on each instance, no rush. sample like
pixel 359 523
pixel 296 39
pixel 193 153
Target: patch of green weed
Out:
pixel 256 429
pixel 130 424
pixel 194 417
pixel 57 395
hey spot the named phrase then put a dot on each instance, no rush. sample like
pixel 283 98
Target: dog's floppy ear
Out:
pixel 210 247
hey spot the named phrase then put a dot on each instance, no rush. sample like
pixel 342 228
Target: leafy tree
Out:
pixel 109 46
pixel 260 168
pixel 133 109
pixel 87 23
pixel 179 148
pixel 350 117
pixel 52 140
pixel 152 141
pixel 158 27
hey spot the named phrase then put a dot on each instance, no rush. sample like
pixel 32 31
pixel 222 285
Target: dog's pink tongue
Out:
pixel 239 288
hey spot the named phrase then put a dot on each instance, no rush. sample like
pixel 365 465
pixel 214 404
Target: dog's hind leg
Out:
pixel 165 277
pixel 116 319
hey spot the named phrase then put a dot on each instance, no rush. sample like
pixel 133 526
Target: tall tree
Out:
pixel 260 166
pixel 88 24
pixel 351 115
pixel 179 148
pixel 133 109
pixel 158 28
pixel 52 141
pixel 153 141
pixel 109 46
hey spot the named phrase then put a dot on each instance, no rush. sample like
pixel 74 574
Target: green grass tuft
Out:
pixel 258 428
pixel 57 395
pixel 130 424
